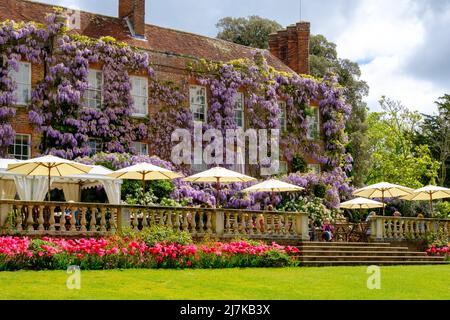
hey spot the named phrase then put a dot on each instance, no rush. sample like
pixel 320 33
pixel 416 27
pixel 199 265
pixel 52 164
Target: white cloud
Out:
pixel 386 34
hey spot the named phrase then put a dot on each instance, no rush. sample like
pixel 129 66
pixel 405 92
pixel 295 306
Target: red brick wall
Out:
pixel 292 46
pixel 135 11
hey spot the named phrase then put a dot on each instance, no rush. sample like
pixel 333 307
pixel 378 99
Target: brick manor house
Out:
pixel 169 51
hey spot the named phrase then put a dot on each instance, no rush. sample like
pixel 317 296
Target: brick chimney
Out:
pixel 292 46
pixel 133 11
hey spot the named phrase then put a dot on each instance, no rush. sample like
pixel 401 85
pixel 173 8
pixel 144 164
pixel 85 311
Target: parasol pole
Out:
pixel 382 200
pixel 143 186
pixel 218 192
pixel 49 180
pixel 273 198
pixel 431 204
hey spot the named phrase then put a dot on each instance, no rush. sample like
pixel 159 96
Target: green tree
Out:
pixel 395 157
pixel 324 60
pixel 252 31
pixel 435 131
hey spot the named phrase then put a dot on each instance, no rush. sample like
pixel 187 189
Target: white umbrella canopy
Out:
pixel 273 186
pixel 219 175
pixel 50 166
pixel 144 172
pixel 383 190
pixel 428 193
pixel 361 203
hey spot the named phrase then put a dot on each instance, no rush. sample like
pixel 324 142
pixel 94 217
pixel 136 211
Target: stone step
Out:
pixel 368 258
pixel 307 253
pixel 368 263
pixel 351 248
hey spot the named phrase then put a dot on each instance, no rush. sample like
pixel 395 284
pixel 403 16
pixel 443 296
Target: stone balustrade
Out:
pixel 85 219
pixel 401 229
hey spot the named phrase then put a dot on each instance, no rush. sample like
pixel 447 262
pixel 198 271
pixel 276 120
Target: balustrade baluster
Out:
pixel 236 223
pixel 83 221
pixel 112 220
pixel 208 223
pixel 193 223
pixel 30 219
pixel 185 225
pixel 103 219
pixel 51 219
pixel 227 223
pixel 266 225
pixel 19 218
pixel 73 221
pixel 93 221
pixel 161 217
pixel 272 224
pixel 258 220
pixel 250 224
pixel 144 218
pixel 41 218
pixel 169 219
pixel 152 214
pixel 177 221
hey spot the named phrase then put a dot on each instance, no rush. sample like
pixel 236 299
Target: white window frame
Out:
pixel 98 142
pixel 316 116
pixel 192 104
pixel 15 75
pixel 283 114
pixel 137 146
pixel 139 95
pixel 239 108
pixel 314 168
pixel 20 155
pixel 87 99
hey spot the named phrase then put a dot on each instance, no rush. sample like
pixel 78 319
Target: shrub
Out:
pixel 159 234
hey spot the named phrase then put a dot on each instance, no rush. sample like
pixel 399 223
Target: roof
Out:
pixel 159 39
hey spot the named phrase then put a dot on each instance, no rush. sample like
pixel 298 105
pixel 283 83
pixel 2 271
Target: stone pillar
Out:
pixel 376 229
pixel 220 223
pixel 4 211
pixel 301 226
pixel 123 218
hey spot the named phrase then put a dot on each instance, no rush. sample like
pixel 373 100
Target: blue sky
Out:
pixel 403 46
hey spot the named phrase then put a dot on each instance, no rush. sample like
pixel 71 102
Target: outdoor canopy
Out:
pixel 383 190
pixel 360 204
pixel 219 175
pixel 273 186
pixel 144 172
pixel 49 166
pixel 428 193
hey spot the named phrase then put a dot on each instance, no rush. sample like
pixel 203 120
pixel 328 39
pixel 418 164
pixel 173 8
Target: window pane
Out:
pixel 198 102
pixel 20 149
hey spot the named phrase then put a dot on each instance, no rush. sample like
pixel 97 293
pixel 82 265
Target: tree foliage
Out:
pixel 435 131
pixel 395 158
pixel 323 60
pixel 252 31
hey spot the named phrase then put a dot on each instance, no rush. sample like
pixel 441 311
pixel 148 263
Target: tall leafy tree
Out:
pixel 435 131
pixel 395 158
pixel 252 31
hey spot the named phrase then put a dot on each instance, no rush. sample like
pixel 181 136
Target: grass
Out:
pixel 411 282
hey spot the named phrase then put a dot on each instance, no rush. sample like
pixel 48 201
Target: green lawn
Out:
pixel 414 282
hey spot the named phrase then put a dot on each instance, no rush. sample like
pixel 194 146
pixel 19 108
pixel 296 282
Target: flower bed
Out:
pixel 116 252
pixel 439 250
